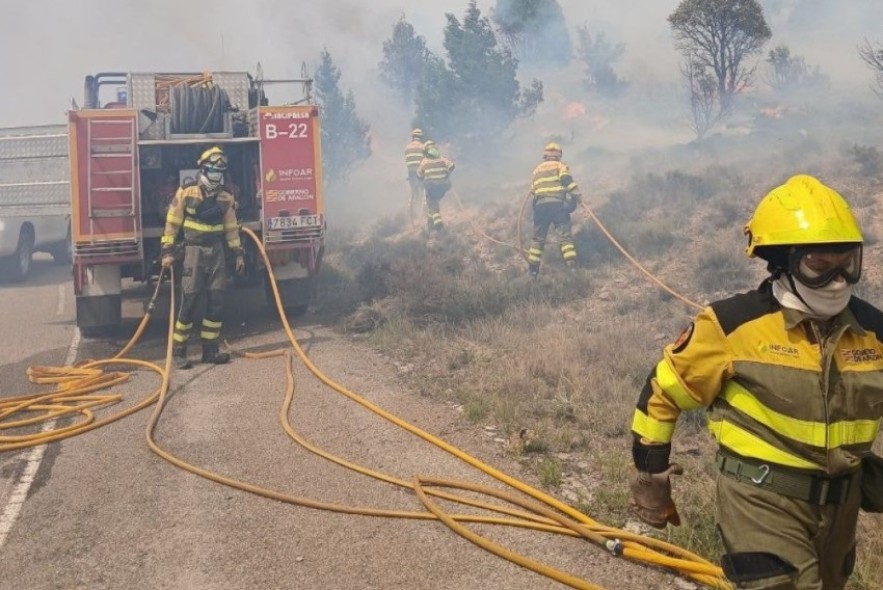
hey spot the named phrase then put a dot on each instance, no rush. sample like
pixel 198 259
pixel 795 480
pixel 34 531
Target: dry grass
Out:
pixel 565 357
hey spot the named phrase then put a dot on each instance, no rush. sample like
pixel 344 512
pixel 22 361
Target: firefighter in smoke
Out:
pixel 435 173
pixel 206 212
pixel 555 196
pixel 413 157
pixel 791 378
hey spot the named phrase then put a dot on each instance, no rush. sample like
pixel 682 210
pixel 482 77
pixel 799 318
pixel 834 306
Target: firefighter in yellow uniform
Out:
pixel 435 173
pixel 205 211
pixel 555 196
pixel 413 157
pixel 791 378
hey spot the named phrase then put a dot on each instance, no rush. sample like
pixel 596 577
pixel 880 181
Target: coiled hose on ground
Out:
pixel 533 509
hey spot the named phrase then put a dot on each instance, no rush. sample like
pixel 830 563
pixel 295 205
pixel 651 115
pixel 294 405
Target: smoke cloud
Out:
pixel 47 47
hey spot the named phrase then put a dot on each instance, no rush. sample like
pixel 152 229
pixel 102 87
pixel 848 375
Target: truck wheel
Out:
pixel 295 293
pixel 297 311
pixel 62 253
pixel 100 332
pixel 17 267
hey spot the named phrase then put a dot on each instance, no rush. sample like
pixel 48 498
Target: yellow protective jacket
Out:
pixel 552 179
pixel 203 224
pixel 435 171
pixel 775 388
pixel 413 154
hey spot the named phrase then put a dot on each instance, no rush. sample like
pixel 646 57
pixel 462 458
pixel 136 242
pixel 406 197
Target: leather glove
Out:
pixel 168 260
pixel 240 265
pixel 651 496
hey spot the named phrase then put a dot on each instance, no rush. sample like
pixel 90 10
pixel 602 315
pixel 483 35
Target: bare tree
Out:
pixel 719 36
pixel 873 56
pixel 704 108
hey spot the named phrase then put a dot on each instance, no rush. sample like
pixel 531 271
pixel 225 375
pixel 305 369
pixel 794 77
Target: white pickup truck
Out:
pixel 34 197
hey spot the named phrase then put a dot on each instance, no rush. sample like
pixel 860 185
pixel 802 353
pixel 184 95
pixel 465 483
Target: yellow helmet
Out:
pixel 552 151
pixel 213 158
pixel 803 211
pixel 428 145
pixel 415 133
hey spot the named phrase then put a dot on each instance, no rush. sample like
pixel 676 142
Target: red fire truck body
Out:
pixel 128 156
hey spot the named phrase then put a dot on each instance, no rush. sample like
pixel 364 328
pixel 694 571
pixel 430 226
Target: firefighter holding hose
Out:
pixel 205 211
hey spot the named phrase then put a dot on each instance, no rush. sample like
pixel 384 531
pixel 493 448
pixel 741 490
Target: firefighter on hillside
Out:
pixel 435 173
pixel 791 378
pixel 555 196
pixel 413 157
pixel 205 210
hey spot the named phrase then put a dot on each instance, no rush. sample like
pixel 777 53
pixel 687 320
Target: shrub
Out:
pixel 723 268
pixel 868 158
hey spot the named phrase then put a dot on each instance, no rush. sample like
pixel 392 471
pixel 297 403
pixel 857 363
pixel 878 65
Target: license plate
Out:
pixel 293 222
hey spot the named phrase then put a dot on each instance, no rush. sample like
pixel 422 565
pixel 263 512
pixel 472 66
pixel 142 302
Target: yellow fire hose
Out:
pixel 519 231
pixel 477 229
pixel 615 242
pixel 543 513
pixel 71 395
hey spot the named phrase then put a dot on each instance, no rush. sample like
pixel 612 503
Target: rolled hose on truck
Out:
pixel 75 386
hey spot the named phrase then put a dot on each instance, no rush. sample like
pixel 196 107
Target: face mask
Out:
pixel 210 181
pixel 824 302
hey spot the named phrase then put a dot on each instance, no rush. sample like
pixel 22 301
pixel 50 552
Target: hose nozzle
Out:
pixel 615 547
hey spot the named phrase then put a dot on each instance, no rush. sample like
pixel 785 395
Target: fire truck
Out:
pixel 137 138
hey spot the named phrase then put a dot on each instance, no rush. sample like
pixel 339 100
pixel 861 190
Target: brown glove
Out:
pixel 240 265
pixel 651 496
pixel 168 260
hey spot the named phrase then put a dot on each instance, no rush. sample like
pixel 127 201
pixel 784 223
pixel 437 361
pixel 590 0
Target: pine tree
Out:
pixel 476 95
pixel 434 100
pixel 405 57
pixel 600 55
pixel 534 30
pixel 345 137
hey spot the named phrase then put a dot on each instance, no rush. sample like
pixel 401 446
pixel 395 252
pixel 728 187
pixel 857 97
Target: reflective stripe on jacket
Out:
pixel 435 171
pixel 413 153
pixel 183 212
pixel 775 389
pixel 552 179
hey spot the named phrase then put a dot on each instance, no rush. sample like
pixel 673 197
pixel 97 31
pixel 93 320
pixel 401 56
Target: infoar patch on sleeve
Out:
pixel 683 340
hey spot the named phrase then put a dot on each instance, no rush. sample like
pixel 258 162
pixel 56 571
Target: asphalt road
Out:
pixel 101 511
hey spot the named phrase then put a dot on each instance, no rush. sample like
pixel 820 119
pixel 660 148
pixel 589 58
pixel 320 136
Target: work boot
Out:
pixel 211 355
pixel 179 354
pixel 534 269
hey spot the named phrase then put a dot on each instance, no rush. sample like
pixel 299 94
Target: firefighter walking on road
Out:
pixel 413 157
pixel 555 196
pixel 435 173
pixel 791 378
pixel 205 211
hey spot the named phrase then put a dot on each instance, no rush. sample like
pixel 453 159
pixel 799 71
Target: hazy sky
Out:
pixel 48 46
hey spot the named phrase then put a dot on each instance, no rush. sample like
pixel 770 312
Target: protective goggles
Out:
pixel 817 266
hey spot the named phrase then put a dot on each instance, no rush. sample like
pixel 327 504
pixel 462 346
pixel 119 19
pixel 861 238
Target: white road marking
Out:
pixel 73 350
pixel 32 463
pixel 59 309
